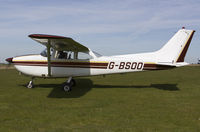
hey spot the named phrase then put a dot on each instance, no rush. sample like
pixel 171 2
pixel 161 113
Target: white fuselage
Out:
pixel 36 65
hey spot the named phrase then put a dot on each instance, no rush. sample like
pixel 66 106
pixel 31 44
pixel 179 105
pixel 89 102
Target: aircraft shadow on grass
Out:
pixel 85 85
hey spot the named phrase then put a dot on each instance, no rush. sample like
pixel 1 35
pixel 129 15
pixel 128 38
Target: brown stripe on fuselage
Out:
pixel 80 63
pixel 156 67
pixel 29 62
pixel 64 64
pixel 76 66
pixel 184 51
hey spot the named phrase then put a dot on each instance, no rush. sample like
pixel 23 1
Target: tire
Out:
pixel 67 87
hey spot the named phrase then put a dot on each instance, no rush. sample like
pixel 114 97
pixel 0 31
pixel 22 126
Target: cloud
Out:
pixel 98 17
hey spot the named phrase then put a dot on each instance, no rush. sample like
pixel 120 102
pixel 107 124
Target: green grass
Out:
pixel 166 101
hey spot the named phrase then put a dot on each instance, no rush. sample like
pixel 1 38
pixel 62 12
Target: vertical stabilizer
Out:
pixel 176 48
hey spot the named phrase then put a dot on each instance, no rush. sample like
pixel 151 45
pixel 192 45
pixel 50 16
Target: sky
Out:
pixel 109 27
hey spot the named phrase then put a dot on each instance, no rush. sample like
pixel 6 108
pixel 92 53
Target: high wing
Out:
pixel 59 42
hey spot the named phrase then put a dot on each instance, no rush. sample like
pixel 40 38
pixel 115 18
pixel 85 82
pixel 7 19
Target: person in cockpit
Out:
pixel 62 55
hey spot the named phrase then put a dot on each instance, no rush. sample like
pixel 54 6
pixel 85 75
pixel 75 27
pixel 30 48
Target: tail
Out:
pixel 174 51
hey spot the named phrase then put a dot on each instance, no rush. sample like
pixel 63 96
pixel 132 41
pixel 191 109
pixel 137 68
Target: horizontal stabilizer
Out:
pixel 178 64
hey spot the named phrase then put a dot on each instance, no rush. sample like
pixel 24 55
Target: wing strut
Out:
pixel 49 58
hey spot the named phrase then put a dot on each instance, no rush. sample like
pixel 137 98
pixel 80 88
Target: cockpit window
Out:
pixel 44 53
pixel 64 55
pixel 69 55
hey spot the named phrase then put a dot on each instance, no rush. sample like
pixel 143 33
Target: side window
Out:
pixel 64 55
pixel 84 56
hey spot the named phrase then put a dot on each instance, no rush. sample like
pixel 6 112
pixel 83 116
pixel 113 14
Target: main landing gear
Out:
pixel 67 86
pixel 30 84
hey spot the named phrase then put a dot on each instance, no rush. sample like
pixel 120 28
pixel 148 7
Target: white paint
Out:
pixel 167 56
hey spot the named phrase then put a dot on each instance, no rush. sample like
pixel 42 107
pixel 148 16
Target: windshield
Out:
pixel 44 53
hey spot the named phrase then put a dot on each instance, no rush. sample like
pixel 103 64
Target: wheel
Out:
pixel 67 87
pixel 73 83
pixel 30 84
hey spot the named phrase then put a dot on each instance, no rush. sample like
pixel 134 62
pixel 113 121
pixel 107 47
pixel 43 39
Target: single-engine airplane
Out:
pixel 64 57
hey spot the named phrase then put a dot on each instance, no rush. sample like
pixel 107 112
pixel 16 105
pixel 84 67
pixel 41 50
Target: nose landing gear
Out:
pixel 30 84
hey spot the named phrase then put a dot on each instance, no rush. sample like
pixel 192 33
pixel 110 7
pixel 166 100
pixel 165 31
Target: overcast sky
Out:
pixel 109 27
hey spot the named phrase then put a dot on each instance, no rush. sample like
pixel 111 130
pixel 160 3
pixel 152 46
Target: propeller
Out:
pixel 10 61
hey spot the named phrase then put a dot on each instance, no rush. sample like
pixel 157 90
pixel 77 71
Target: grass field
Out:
pixel 162 101
pixel 6 66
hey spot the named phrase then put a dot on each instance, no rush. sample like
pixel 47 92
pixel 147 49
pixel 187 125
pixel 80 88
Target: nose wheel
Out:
pixel 30 84
pixel 67 87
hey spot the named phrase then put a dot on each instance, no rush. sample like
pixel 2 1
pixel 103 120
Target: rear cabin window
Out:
pixel 84 56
